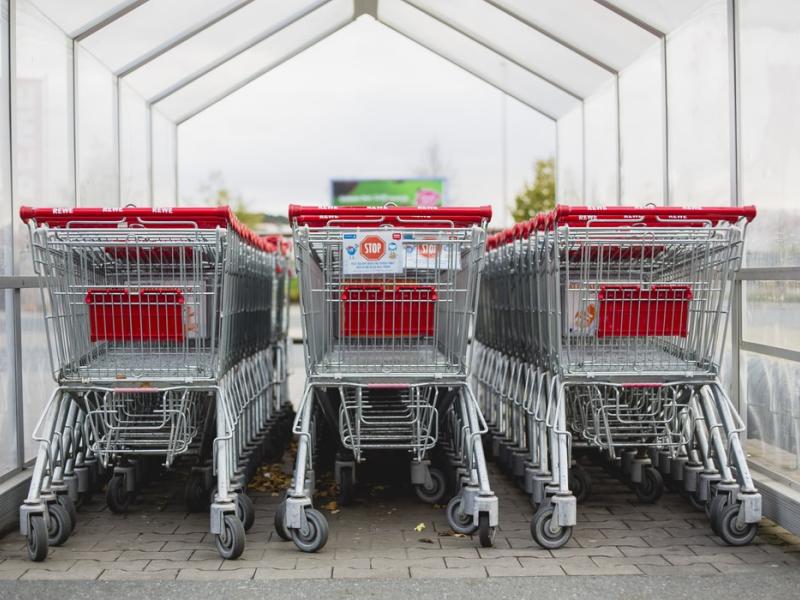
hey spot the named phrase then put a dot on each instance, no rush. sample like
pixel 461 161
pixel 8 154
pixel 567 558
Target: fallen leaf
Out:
pixel 331 505
pixel 426 540
pixel 420 527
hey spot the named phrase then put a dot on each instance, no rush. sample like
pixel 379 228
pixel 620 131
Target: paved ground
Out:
pixel 377 539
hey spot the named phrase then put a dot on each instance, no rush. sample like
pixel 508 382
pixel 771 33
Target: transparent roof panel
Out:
pixel 73 15
pixel 476 58
pixel 664 15
pixel 150 25
pixel 585 25
pixel 520 43
pixel 257 60
pixel 241 29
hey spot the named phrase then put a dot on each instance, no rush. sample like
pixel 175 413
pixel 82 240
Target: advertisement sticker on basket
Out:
pixel 372 253
pixel 432 252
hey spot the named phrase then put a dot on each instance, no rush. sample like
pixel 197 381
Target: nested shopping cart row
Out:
pixel 167 338
pixel 604 329
pixel 388 298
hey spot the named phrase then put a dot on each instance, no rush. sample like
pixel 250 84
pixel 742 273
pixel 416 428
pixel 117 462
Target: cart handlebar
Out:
pixel 205 217
pixel 349 216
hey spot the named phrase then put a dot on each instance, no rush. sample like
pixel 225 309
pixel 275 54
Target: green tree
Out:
pixel 538 196
pixel 216 193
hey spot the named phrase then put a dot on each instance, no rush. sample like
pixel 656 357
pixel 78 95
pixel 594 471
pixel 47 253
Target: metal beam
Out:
pixel 182 83
pixel 365 7
pixel 105 20
pixel 633 19
pixel 260 72
pixel 773 351
pixel 463 67
pixel 182 37
pixel 557 39
pixel 769 274
pixel 491 49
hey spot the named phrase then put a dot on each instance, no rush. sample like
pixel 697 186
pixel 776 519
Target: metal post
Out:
pixel 619 141
pixel 665 80
pixel 504 157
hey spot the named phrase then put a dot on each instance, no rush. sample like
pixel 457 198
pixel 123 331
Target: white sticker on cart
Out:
pixel 432 252
pixel 581 312
pixel 372 253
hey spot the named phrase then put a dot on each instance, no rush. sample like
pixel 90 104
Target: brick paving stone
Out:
pixel 428 573
pixel 606 550
pixel 605 561
pixel 159 555
pixel 69 553
pixel 198 574
pixel 11 574
pixel 586 566
pixel 664 551
pixel 475 564
pixel 81 573
pixel 314 573
pixel 121 575
pixel 601 542
pixel 533 552
pixel 681 571
pixel 382 573
pixel 200 565
pixel 268 563
pixel 388 563
pixel 47 565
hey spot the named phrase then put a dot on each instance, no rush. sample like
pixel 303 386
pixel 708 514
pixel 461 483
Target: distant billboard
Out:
pixel 378 192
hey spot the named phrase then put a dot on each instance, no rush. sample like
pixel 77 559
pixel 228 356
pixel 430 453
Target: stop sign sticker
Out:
pixel 372 248
pixel 371 253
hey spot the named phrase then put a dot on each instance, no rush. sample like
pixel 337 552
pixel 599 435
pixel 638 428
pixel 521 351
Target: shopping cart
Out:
pixel 160 325
pixel 388 296
pixel 608 333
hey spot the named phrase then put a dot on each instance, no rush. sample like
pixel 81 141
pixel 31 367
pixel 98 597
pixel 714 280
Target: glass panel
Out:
pixel 134 148
pixel 164 156
pixel 770 96
pixel 265 55
pixel 600 112
pixel 8 429
pixel 569 163
pixel 43 175
pixel 586 25
pixel 43 142
pixel 239 30
pixel 509 36
pixel 773 413
pixel 664 15
pixel 698 100
pixel 148 26
pixel 772 313
pixel 641 97
pixel 98 174
pixel 73 15
pixel 471 55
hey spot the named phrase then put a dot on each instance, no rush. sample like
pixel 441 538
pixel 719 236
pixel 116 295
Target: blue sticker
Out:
pixel 351 250
pixel 408 236
pixel 392 246
pixel 349 236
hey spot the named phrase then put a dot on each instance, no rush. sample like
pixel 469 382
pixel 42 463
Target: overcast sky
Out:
pixel 364 103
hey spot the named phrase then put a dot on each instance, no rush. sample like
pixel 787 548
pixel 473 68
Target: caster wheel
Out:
pixel 459 522
pixel 580 483
pixel 195 495
pixel 66 502
pixel 36 541
pixel 715 510
pixel 540 529
pixel 486 532
pixel 245 510
pixel 435 491
pixel 117 497
pixel 230 543
pixel 732 532
pixel 694 501
pixel 280 528
pixel 60 525
pixel 345 495
pixel 314 535
pixel 651 487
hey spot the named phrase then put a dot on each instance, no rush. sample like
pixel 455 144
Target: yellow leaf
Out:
pixel 420 527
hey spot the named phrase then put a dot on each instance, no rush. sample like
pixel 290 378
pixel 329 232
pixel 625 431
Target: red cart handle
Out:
pixel 203 217
pixel 398 216
pixel 652 216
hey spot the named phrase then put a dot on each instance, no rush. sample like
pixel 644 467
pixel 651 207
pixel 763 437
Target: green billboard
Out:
pixel 379 192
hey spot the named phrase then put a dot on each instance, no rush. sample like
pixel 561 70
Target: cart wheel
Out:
pixel 651 487
pixel 36 541
pixel 540 529
pixel 66 502
pixel 580 483
pixel 195 494
pixel 733 533
pixel 279 523
pixel 314 535
pixel 345 495
pixel 60 525
pixel 715 509
pixel 117 497
pixel 245 510
pixel 435 492
pixel 230 543
pixel 486 532
pixel 459 522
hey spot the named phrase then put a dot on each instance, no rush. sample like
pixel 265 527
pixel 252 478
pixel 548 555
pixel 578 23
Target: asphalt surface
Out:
pixel 784 583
